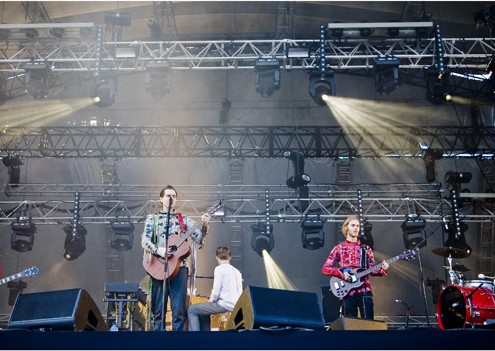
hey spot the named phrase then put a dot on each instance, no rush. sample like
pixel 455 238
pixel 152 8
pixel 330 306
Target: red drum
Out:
pixel 464 307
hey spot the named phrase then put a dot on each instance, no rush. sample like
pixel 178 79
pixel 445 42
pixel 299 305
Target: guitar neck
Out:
pixel 188 233
pixel 375 268
pixel 12 277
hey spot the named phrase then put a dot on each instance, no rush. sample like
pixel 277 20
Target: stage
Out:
pixel 293 339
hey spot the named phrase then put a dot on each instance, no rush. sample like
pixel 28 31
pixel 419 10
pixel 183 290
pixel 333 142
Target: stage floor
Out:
pixel 293 339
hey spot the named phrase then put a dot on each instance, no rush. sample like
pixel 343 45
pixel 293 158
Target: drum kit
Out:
pixel 464 303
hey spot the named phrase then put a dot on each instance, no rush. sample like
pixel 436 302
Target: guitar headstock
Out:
pixel 407 255
pixel 215 207
pixel 30 272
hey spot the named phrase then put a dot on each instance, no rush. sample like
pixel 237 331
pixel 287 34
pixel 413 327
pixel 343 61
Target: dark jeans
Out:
pixel 177 289
pixel 360 301
pixel 199 315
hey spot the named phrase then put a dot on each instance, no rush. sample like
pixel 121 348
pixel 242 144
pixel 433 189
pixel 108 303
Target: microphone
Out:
pixel 404 303
pixel 482 276
pixel 170 201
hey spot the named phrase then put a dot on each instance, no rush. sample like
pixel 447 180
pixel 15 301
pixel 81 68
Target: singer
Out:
pixel 349 255
pixel 166 263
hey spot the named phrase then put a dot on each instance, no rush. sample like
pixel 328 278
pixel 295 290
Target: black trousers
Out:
pixel 359 301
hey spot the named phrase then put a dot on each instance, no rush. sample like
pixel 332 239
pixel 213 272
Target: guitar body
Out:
pixel 155 266
pixel 340 288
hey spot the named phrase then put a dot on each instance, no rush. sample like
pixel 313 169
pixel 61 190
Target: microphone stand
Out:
pixel 165 265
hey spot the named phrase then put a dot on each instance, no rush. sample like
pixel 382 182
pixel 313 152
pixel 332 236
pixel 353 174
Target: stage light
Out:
pixel 155 30
pixel 413 232
pixel 75 241
pixel 386 74
pixel 224 111
pixel 123 234
pixel 366 31
pixel 299 178
pixel 157 79
pixel 262 239
pixel 429 158
pixel 312 236
pixel 118 18
pixel 267 76
pixel 437 86
pixel 22 236
pixel 104 91
pixel 57 32
pixel 13 163
pixel 321 85
pixel 457 177
pixel 37 79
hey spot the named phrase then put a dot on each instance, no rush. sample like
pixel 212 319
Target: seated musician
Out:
pixel 227 288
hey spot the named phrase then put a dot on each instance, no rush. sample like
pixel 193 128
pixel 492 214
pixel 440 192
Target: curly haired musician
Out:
pixel 344 258
pixel 154 243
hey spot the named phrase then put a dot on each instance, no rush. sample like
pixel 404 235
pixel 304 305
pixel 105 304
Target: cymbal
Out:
pixel 458 267
pixel 450 251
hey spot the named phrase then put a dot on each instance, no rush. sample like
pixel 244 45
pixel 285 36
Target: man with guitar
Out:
pixel 343 262
pixel 165 257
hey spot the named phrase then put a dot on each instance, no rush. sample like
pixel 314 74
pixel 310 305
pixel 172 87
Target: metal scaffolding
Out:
pixel 242 203
pixel 239 142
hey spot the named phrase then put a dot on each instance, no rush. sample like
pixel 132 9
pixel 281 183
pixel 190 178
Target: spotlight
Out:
pixel 457 177
pixel 123 234
pixel 104 91
pixel 75 241
pixel 299 178
pixel 313 236
pixel 386 74
pixel 37 79
pixel 118 18
pixel 366 32
pixel 157 79
pixel 57 32
pixel 267 76
pixel 224 111
pixel 262 238
pixel 437 86
pixel 13 163
pixel 413 232
pixel 429 158
pixel 31 33
pixel 155 30
pixel 321 85
pixel 22 237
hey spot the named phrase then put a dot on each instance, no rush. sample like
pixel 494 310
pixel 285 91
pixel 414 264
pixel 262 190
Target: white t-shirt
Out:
pixel 227 286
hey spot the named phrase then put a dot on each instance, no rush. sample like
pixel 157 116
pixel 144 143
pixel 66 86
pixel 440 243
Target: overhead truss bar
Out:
pixel 78 53
pixel 102 203
pixel 238 142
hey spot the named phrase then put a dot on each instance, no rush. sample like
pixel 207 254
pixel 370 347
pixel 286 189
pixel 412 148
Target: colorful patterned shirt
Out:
pixel 348 255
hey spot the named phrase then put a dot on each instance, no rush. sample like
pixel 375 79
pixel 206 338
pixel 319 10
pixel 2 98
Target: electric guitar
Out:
pixel 340 288
pixel 30 272
pixel 179 248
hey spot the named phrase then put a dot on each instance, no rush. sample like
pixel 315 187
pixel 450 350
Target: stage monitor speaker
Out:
pixel 71 309
pixel 263 307
pixel 330 304
pixel 351 323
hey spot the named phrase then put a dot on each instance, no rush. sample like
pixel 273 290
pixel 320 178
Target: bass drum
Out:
pixel 463 307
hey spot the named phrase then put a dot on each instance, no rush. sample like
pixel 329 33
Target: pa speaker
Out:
pixel 264 307
pixel 72 309
pixel 351 323
pixel 331 305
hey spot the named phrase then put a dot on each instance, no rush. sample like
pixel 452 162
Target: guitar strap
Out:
pixel 181 222
pixel 364 261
